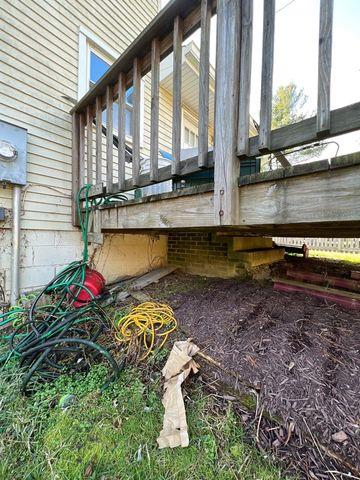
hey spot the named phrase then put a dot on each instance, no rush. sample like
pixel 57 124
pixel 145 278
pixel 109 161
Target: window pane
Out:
pixel 98 67
pixel 129 96
pixel 128 123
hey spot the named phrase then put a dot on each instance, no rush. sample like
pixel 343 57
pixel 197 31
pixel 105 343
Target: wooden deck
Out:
pixel 320 198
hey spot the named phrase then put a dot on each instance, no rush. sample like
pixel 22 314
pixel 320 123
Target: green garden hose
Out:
pixel 51 338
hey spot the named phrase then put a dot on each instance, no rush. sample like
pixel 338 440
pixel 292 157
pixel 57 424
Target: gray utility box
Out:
pixel 13 142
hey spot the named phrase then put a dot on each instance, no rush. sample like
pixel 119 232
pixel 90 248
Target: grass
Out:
pixel 340 256
pixel 112 436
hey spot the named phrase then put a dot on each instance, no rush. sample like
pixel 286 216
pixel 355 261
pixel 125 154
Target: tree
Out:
pixel 288 107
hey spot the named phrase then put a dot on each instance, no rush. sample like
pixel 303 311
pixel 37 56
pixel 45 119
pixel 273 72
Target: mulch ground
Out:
pixel 297 355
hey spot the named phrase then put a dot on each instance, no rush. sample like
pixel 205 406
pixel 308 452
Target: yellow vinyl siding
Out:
pixel 39 44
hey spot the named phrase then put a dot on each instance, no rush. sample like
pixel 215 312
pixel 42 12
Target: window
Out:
pixel 191 138
pixel 95 58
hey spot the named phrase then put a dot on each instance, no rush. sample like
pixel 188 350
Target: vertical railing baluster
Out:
pixel 89 144
pixel 324 68
pixel 82 150
pixel 267 75
pixel 204 83
pixel 136 122
pixel 121 130
pixel 109 138
pixel 245 77
pixel 98 140
pixel 75 165
pixel 154 130
pixel 177 61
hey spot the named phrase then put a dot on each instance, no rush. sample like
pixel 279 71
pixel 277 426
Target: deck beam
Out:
pixel 326 201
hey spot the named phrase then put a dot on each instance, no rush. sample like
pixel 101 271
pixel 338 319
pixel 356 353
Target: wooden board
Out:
pixel 345 299
pixel 151 277
pixel 177 212
pixel 323 279
pixel 267 75
pixel 226 192
pixel 324 68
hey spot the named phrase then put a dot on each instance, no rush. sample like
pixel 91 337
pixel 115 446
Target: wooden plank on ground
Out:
pixel 355 275
pixel 324 69
pixel 346 299
pixel 151 277
pixel 324 279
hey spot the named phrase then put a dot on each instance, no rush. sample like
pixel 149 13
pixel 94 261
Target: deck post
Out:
pixel 227 165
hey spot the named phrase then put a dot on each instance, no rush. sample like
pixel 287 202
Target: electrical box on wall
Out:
pixel 13 143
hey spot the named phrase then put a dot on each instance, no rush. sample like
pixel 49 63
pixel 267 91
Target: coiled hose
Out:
pixel 51 338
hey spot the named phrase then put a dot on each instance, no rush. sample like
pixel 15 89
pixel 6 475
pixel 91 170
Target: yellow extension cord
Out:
pixel 148 320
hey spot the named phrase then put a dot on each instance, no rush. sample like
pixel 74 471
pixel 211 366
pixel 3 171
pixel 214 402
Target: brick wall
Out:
pixel 200 253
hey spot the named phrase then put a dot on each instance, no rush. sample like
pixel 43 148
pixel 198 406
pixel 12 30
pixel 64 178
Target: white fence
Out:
pixel 347 245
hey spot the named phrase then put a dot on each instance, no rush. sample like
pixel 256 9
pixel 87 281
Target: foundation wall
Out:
pixel 199 253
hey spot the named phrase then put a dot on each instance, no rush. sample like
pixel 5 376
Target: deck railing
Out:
pixel 165 34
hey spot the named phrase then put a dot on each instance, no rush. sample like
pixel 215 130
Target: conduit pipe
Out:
pixel 15 259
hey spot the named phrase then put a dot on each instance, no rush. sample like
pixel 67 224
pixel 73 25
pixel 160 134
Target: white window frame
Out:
pixel 186 122
pixel 89 42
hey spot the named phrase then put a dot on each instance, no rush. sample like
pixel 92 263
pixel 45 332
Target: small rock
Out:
pixel 291 366
pixel 339 437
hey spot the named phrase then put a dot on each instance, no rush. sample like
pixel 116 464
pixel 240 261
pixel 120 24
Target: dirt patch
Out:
pixel 300 354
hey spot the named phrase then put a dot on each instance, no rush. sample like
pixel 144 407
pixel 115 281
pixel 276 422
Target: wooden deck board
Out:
pixel 329 200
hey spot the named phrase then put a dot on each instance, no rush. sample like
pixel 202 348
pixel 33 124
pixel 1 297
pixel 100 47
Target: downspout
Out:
pixel 15 259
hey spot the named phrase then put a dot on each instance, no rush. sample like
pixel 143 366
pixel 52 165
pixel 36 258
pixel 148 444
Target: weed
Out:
pixel 113 435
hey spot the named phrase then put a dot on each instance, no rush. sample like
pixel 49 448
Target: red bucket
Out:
pixel 94 282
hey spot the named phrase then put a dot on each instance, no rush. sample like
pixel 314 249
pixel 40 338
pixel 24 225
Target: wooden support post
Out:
pixel 155 87
pixel 176 133
pixel 267 75
pixel 89 144
pixel 98 152
pixel 136 122
pixel 204 83
pixel 121 130
pixel 81 150
pixel 75 165
pixel 245 76
pixel 324 69
pixel 226 191
pixel 109 138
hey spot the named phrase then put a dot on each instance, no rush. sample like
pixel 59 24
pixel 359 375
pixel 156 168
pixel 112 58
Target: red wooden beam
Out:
pixel 323 279
pixel 345 299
